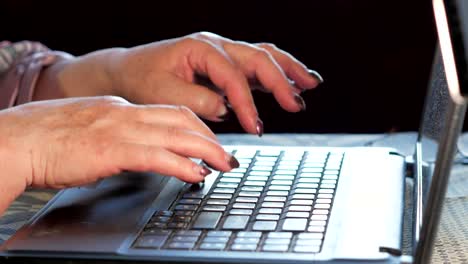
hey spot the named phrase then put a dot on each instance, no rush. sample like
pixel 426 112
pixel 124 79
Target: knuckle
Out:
pixel 185 111
pixel 261 54
pixel 267 45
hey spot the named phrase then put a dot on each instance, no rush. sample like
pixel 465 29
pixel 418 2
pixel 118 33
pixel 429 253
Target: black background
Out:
pixel 375 56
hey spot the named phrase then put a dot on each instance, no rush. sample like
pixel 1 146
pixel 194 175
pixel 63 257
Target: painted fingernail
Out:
pixel 300 102
pixel 204 171
pixel 225 114
pixel 259 127
pixel 316 75
pixel 233 162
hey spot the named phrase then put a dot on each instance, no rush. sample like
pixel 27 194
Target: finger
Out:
pixel 258 63
pixel 204 102
pixel 215 64
pixel 294 69
pixel 169 115
pixel 141 157
pixel 184 142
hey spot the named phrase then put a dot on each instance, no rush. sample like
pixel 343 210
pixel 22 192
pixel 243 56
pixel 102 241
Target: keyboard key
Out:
pixel 230 180
pixel 328 186
pixel 309 242
pixel 281 182
pixel 272 205
pixel 275 199
pixel 319 217
pixel 252 188
pixel 259 173
pixel 257 178
pixel 299 208
pixel 264 163
pixel 317 170
pixel 278 248
pixel 279 235
pixel 224 190
pixel 250 194
pixel 246 240
pixel 304 191
pixel 233 175
pixel 181 245
pixel 243 205
pixel 310 175
pixel 249 234
pixel 157 232
pixel 264 225
pixel 227 185
pixel 307 185
pixel 289 163
pixel 221 196
pixel 294 224
pixel 184 239
pixel 288 167
pixel 188 233
pixel 285 172
pixel 320 212
pixel 240 212
pixel 301 202
pixel 162 219
pixel 303 196
pixel 322 206
pixel 316 229
pixel 254 183
pixel 331 191
pixel 330 177
pixel 313 165
pixel 278 241
pixel 151 241
pixel 279 188
pixel 262 168
pixel 217 208
pixel 297 214
pixel 194 195
pixel 268 217
pixel 246 199
pixel 212 246
pixel 219 233
pixel 217 202
pixel 239 170
pixel 266 158
pixel 178 225
pixel 318 223
pixel 186 213
pixel 270 211
pixel 328 181
pixel 186 207
pixel 244 247
pixel 236 222
pixel 310 236
pixel 277 193
pixel 283 177
pixel 306 249
pixel 216 239
pixel 190 201
pixel 308 180
pixel 182 218
pixel 207 220
pixel 325 196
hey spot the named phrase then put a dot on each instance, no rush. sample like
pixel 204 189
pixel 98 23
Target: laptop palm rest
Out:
pixel 96 218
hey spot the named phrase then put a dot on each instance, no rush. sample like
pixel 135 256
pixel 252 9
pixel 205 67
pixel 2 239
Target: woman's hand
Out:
pixel 70 142
pixel 166 72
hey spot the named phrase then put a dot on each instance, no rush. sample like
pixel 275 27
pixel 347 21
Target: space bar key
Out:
pixel 207 220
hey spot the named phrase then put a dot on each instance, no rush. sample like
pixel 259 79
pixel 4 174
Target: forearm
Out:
pixel 87 75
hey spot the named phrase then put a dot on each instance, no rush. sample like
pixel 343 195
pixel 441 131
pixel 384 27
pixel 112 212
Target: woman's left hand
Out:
pixel 166 72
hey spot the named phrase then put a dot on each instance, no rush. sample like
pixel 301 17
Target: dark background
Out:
pixel 375 56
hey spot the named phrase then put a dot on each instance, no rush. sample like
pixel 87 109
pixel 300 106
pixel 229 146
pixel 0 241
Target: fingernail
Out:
pixel 316 75
pixel 204 171
pixel 300 102
pixel 233 162
pixel 225 114
pixel 259 127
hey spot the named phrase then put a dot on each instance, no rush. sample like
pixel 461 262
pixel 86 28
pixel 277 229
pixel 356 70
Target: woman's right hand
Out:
pixel 70 142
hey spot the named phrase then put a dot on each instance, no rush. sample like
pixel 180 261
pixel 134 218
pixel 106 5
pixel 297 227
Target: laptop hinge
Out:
pixel 409 169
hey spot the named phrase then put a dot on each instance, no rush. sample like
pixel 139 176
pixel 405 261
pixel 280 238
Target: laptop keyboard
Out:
pixel 276 201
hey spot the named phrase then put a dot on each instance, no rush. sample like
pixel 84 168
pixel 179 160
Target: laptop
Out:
pixel 283 204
